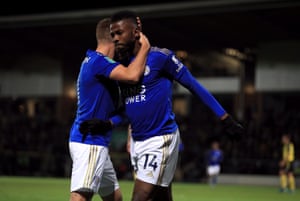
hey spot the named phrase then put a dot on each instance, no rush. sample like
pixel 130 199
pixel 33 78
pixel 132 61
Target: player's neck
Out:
pixel 106 50
pixel 137 47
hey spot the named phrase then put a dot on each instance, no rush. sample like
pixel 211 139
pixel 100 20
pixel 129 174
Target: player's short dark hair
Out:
pixel 103 29
pixel 124 14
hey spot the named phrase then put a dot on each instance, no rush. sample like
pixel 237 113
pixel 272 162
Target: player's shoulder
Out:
pixel 162 51
pixel 99 57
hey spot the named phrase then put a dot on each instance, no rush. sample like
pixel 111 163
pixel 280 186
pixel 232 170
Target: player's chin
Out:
pixel 120 46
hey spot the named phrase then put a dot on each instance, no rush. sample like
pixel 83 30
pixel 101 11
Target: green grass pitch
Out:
pixel 57 189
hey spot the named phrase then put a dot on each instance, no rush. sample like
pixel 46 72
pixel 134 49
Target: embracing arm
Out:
pixel 97 126
pixel 136 68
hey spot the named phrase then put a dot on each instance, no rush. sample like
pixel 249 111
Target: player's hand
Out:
pixel 143 40
pixel 232 128
pixel 95 126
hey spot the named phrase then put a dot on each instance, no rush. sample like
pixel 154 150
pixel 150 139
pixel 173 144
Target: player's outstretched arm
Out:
pixel 232 128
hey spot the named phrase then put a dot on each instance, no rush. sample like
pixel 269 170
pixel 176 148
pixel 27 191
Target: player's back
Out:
pixel 97 95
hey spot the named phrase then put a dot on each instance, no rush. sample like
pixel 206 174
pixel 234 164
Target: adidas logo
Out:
pixel 150 174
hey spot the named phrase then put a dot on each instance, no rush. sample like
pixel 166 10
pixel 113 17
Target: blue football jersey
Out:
pixel 97 95
pixel 215 157
pixel 148 104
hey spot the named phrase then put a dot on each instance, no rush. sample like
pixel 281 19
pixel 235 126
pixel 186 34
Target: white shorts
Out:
pixel 92 169
pixel 154 160
pixel 213 170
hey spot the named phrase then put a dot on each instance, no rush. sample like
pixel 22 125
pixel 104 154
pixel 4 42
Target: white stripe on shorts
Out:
pixel 93 155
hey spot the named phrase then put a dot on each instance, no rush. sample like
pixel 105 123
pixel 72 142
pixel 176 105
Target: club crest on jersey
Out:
pixel 147 70
pixel 178 63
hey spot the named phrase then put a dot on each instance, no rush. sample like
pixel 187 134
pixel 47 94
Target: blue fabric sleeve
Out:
pixel 117 120
pixel 181 73
pixel 188 81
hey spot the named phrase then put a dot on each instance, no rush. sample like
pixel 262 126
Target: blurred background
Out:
pixel 246 53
